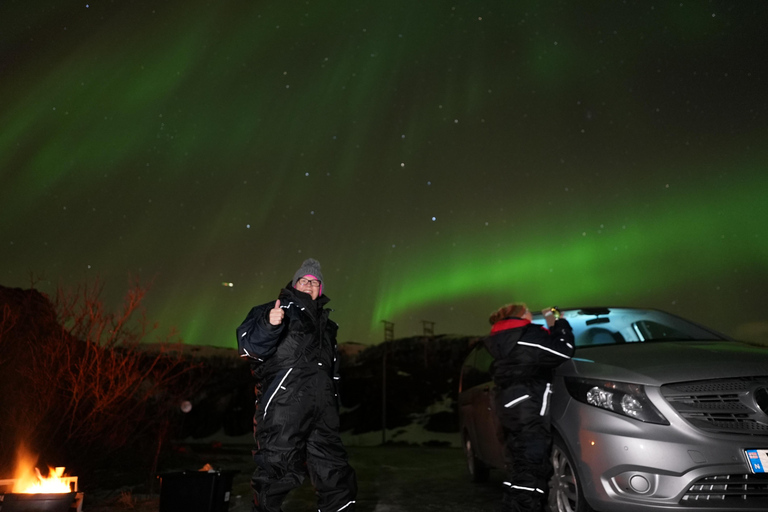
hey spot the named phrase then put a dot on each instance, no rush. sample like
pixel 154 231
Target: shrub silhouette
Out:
pixel 80 384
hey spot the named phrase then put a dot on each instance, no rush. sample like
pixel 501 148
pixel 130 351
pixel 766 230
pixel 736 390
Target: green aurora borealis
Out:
pixel 439 159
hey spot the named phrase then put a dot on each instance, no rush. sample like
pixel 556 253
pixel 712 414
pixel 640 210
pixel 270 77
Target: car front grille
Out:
pixel 723 405
pixel 729 491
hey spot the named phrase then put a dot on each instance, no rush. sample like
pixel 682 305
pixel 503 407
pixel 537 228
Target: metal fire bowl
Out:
pixel 20 502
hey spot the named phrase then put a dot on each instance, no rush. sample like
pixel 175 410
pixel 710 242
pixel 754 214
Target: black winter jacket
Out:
pixel 305 339
pixel 522 350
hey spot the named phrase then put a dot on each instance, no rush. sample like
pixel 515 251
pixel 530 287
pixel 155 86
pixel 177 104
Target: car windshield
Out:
pixel 613 326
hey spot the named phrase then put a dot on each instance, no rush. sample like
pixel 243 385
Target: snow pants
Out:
pixel 523 410
pixel 296 428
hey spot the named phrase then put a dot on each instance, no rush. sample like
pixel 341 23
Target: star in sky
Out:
pixel 439 160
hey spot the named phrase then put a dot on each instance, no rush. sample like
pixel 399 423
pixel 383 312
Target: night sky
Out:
pixel 438 158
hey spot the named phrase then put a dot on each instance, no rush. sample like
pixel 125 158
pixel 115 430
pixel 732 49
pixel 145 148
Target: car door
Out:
pixel 487 425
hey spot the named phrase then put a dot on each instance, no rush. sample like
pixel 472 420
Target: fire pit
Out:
pixel 56 493
pixel 37 502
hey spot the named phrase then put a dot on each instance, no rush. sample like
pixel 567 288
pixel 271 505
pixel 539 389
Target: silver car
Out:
pixel 653 413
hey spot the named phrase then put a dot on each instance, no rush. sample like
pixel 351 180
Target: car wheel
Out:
pixel 478 471
pixel 565 493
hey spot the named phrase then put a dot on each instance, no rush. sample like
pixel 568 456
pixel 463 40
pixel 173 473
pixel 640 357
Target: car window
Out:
pixel 476 368
pixel 648 329
pixel 604 326
pixel 483 362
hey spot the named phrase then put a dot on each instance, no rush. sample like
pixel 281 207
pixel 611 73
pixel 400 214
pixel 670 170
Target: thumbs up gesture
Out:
pixel 276 314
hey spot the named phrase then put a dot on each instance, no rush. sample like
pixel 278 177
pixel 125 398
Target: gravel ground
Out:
pixel 390 479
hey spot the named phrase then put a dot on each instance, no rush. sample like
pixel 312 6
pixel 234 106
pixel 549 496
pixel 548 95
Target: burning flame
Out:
pixel 51 484
pixel 29 482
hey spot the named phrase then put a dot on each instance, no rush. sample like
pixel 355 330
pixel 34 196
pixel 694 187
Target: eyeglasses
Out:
pixel 314 283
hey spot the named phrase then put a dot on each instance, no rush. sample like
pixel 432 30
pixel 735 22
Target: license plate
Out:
pixel 758 460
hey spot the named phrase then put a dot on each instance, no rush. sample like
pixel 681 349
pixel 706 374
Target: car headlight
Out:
pixel 622 398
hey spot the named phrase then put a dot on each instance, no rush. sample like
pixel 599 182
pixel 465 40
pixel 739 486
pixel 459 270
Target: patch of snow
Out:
pixel 414 434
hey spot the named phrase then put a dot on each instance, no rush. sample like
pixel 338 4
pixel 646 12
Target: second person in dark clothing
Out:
pixel 291 344
pixel 525 355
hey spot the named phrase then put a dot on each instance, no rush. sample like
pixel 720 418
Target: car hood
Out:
pixel 656 363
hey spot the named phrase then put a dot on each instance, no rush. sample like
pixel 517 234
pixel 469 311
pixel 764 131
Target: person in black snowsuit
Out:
pixel 291 344
pixel 525 355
